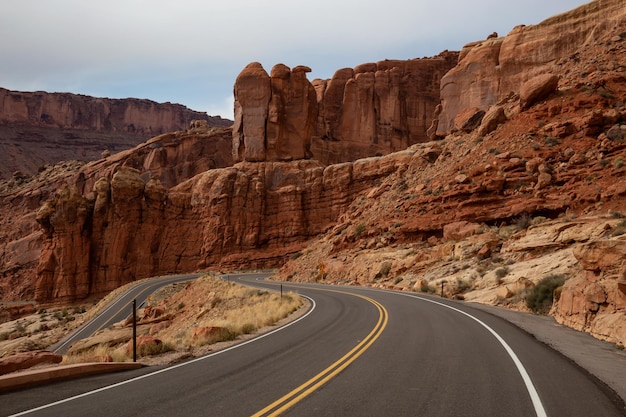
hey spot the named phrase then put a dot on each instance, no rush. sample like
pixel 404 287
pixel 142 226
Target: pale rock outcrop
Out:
pixel 593 300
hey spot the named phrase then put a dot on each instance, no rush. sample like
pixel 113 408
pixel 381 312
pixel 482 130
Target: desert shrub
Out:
pixel 151 349
pixel 359 229
pixel 385 268
pixel 523 221
pixel 247 328
pixel 295 256
pixel 502 272
pixel 620 229
pixel 541 296
pixel 618 162
pixel 552 141
pixel 427 288
pixel 538 220
pixel 463 286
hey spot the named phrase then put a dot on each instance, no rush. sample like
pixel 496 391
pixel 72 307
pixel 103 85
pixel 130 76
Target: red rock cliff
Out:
pixel 64 110
pixel 38 128
pixel 377 108
pixel 494 69
pixel 251 214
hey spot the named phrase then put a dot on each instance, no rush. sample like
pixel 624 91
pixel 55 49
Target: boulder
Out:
pixel 491 120
pixel 27 360
pixel 145 345
pixel 468 119
pixel 537 88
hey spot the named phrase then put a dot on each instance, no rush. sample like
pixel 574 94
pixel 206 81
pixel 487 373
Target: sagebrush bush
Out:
pixel 541 296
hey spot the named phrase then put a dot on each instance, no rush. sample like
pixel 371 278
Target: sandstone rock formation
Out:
pixel 170 158
pixel 129 229
pixel 593 300
pixel 488 71
pixel 490 214
pixel 274 114
pixel 38 128
pixel 27 360
pixel 377 108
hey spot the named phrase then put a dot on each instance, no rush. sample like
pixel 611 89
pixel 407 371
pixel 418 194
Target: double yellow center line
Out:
pixel 284 403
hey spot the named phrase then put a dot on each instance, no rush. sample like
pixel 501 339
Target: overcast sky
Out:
pixel 191 51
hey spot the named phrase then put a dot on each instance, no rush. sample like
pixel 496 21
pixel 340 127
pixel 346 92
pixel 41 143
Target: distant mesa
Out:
pixel 39 128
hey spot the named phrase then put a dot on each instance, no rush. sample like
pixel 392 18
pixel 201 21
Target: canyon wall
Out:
pixel 170 158
pixel 38 128
pixel 251 214
pixel 489 71
pixel 377 108
pixel 64 110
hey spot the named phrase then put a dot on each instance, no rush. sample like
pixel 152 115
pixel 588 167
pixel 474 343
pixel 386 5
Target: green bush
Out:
pixel 541 296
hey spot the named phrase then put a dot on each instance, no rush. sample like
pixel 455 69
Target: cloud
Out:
pixel 190 51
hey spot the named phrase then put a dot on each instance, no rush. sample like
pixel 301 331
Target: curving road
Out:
pixel 119 309
pixel 357 352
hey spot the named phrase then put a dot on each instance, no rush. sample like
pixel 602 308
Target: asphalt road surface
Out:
pixel 119 310
pixel 357 352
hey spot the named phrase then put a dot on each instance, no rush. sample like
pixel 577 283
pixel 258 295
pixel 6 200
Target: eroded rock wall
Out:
pixel 65 110
pixel 274 114
pixel 377 108
pixel 496 68
pixel 251 214
pixel 39 128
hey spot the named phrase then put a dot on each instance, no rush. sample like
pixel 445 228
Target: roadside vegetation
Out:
pixel 189 319
pixel 541 296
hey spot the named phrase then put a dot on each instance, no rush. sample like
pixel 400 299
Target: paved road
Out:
pixel 357 352
pixel 119 310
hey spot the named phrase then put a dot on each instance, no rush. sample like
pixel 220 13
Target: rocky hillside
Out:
pixel 39 128
pixel 524 181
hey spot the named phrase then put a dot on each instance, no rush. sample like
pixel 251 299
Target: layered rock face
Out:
pixel 377 108
pixel 274 114
pixel 371 110
pixel 491 70
pixel 38 128
pixel 64 110
pixel 170 158
pixel 252 213
pixel 594 300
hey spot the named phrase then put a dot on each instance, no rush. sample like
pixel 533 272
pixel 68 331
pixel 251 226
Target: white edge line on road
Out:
pixel 85 394
pixel 530 387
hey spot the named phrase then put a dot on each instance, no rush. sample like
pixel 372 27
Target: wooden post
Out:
pixel 135 330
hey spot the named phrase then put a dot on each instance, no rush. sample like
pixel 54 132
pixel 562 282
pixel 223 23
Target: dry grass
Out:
pixel 233 311
pixel 100 353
